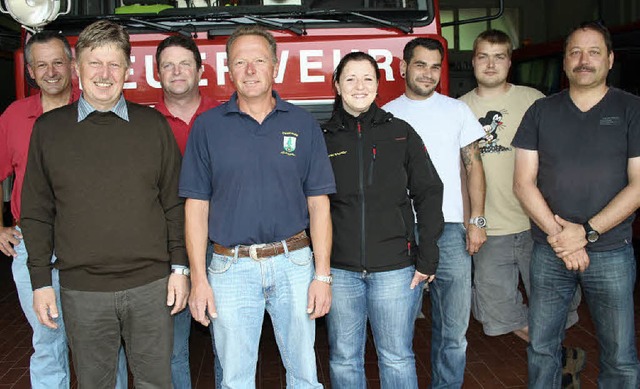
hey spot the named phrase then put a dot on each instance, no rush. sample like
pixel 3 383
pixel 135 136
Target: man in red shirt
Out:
pixel 180 68
pixel 49 61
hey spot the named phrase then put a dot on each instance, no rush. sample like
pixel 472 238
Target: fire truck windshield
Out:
pixel 221 16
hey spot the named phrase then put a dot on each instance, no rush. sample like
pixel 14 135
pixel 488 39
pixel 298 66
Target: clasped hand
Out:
pixel 569 245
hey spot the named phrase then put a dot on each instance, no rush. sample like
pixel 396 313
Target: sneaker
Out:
pixel 571 381
pixel 573 360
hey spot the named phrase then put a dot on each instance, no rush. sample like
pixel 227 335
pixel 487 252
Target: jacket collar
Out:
pixel 341 120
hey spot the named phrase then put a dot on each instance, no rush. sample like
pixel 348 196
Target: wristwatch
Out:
pixel 182 270
pixel 478 221
pixel 592 235
pixel 326 279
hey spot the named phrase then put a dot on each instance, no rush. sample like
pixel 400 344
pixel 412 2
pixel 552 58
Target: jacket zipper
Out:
pixel 407 233
pixel 362 204
pixel 374 153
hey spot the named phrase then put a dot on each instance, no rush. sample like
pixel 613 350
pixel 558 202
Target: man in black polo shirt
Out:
pixel 577 174
pixel 256 174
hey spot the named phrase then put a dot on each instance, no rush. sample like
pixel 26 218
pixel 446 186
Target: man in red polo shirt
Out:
pixel 180 68
pixel 49 61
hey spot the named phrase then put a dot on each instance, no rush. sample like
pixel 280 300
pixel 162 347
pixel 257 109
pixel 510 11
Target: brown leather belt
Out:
pixel 264 250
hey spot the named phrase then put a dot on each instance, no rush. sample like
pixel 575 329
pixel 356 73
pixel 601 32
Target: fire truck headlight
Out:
pixel 33 14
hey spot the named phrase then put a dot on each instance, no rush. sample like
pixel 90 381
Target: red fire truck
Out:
pixel 312 36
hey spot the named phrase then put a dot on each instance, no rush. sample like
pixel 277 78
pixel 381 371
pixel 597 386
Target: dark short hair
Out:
pixel 179 41
pixel 353 56
pixel 45 37
pixel 494 37
pixel 103 33
pixel 256 31
pixel 595 26
pixel 427 43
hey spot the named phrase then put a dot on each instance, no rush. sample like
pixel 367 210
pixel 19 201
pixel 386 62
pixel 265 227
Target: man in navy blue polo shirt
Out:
pixel 256 174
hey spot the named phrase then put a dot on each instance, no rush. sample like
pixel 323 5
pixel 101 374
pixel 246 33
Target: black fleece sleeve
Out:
pixel 425 189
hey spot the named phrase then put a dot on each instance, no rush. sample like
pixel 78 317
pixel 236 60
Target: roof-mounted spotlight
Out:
pixel 33 14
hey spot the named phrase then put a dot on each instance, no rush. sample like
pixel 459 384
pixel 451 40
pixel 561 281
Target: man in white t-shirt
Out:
pixel 499 106
pixel 450 132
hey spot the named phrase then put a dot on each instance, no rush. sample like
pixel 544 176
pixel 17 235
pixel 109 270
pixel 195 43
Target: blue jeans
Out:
pixel 180 368
pixel 450 308
pixel 49 365
pixel 180 365
pixel 217 366
pixel 607 285
pixel 391 307
pixel 243 289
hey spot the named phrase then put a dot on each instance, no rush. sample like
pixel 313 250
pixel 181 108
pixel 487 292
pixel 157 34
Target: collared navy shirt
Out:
pixel 85 109
pixel 256 177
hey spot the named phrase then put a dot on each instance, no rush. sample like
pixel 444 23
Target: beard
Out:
pixel 421 90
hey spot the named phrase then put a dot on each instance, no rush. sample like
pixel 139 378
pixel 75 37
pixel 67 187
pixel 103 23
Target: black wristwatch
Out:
pixel 592 235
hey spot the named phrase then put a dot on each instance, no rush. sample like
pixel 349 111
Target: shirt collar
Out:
pixel 205 104
pixel 232 105
pixel 85 109
pixel 162 108
pixel 35 109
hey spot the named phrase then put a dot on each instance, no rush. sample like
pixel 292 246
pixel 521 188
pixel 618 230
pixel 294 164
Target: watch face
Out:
pixel 481 222
pixel 592 236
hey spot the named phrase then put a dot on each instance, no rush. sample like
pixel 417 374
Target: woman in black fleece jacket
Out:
pixel 380 166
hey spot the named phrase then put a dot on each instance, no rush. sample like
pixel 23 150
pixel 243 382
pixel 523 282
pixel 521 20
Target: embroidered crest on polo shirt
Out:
pixel 289 143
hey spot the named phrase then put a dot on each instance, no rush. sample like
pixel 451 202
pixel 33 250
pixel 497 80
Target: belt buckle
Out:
pixel 253 251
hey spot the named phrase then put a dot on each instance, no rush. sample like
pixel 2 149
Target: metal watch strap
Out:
pixel 478 221
pixel 326 279
pixel 182 270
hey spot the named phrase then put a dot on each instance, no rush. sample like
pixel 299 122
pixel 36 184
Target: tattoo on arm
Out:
pixel 470 154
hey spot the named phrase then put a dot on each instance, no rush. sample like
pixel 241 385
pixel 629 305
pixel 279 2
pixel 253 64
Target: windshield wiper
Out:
pixel 371 19
pixel 282 26
pixel 238 19
pixel 158 26
pixel 383 22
